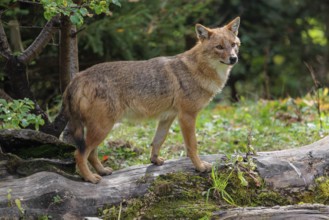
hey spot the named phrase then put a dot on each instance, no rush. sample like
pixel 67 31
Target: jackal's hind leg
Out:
pixel 82 166
pixel 98 166
pixel 95 134
pixel 159 138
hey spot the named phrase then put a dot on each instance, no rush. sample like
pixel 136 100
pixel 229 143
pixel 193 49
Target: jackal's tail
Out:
pixel 75 128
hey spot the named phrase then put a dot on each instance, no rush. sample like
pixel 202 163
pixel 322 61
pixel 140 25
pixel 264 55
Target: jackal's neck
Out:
pixel 211 74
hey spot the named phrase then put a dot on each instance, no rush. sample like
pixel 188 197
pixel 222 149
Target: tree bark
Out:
pixel 69 61
pixel 69 66
pixel 5 96
pixel 40 42
pixel 5 50
pixel 292 170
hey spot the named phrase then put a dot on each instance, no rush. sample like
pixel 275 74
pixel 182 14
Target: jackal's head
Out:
pixel 220 44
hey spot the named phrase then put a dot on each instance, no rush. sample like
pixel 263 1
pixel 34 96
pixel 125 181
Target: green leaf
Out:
pixel 98 9
pixel 24 123
pixel 9 194
pixel 243 181
pixel 3 102
pixel 76 19
pixel 19 206
pixel 83 11
pixel 116 2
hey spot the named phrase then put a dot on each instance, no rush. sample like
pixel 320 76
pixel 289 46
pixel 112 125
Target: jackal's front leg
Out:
pixel 159 138
pixel 187 124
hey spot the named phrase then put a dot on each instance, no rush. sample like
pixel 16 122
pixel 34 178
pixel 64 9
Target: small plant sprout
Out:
pixel 220 182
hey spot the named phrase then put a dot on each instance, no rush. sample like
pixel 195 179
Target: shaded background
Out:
pixel 278 37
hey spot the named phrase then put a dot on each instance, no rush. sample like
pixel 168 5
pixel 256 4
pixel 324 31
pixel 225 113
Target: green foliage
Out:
pixel 77 12
pixel 9 197
pixel 16 114
pixel 277 38
pixel 18 204
pixel 236 167
pixel 57 199
pixel 133 32
pixel 220 182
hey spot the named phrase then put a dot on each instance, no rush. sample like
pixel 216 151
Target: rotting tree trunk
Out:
pixel 290 170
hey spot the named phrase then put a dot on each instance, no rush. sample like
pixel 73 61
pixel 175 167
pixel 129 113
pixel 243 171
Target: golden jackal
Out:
pixel 163 88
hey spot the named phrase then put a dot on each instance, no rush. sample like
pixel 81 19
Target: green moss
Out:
pixel 46 151
pixel 181 185
pixel 180 209
pixel 183 196
pixel 269 198
pixel 322 190
pixel 171 196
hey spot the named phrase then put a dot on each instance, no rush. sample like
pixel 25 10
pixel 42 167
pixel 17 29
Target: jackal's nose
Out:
pixel 233 60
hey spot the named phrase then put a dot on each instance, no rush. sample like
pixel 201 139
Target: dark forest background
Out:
pixel 279 38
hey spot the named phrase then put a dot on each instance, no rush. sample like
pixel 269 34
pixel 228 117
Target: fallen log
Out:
pixel 28 143
pixel 293 170
pixel 301 212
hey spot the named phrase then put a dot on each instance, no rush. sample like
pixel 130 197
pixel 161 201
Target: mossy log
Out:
pixel 48 193
pixel 27 143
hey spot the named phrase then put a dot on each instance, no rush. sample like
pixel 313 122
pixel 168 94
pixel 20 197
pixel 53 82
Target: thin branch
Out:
pixel 30 2
pixel 5 96
pixel 77 32
pixel 317 91
pixel 40 42
pixel 5 50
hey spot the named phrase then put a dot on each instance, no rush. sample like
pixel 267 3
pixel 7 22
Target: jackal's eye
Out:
pixel 233 44
pixel 219 47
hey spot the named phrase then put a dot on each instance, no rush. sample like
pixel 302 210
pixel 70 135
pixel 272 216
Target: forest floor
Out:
pixel 226 128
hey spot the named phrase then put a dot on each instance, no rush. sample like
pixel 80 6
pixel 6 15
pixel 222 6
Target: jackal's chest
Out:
pixel 221 72
pixel 215 84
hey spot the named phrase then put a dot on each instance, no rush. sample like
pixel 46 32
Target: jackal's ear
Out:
pixel 202 32
pixel 234 25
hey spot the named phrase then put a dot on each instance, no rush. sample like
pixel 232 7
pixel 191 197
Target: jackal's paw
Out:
pixel 93 178
pixel 205 167
pixel 105 171
pixel 157 160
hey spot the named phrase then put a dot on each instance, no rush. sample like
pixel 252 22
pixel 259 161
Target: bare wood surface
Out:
pixel 294 168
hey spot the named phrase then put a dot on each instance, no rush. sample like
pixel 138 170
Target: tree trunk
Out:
pixel 69 64
pixel 289 171
pixel 69 61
